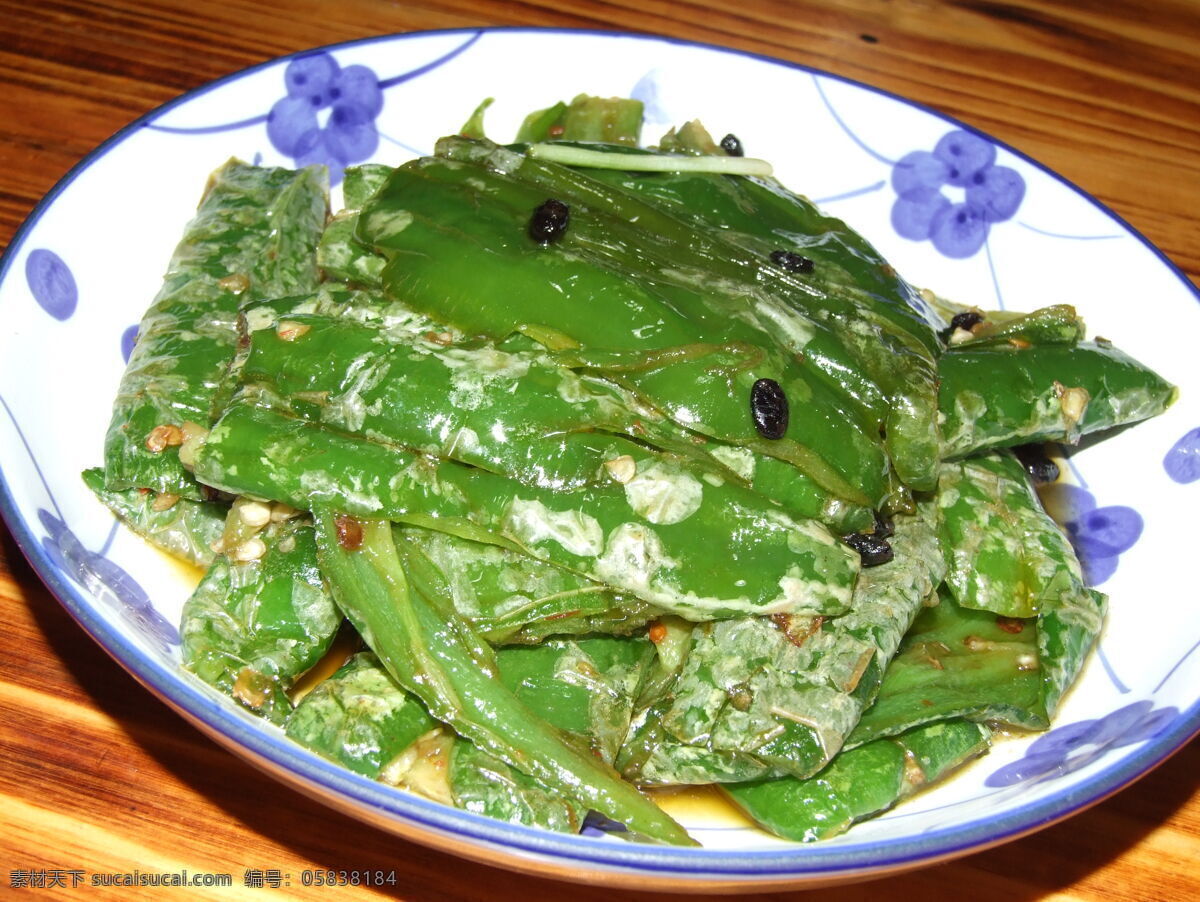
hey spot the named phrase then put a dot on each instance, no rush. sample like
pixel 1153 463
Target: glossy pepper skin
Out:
pixel 859 783
pixel 1003 552
pixel 363 719
pixel 523 414
pixel 1056 324
pixel 340 255
pixel 515 414
pixel 513 599
pixel 712 360
pixel 233 250
pixel 594 119
pixel 1001 395
pixel 878 369
pixel 714 551
pixel 253 627
pixel 755 696
pixel 435 658
pixel 186 529
pixel 893 347
pixel 956 662
pixel 359 717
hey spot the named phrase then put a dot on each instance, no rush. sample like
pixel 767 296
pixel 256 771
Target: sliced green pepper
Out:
pixel 340 255
pixel 664 536
pixel 513 599
pixel 182 527
pixel 1003 552
pixel 233 249
pixel 782 695
pixel 430 656
pixel 859 783
pixel 359 717
pixel 1000 396
pixel 956 662
pixel 436 204
pixel 253 626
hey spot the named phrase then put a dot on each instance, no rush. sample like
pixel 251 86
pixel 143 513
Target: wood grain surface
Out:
pixel 97 775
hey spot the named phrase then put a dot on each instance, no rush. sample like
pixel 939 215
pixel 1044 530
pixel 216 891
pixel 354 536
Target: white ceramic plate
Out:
pixel 80 272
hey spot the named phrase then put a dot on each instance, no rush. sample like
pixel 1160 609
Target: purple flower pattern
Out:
pixel 961 159
pixel 316 83
pixel 1182 462
pixel 1100 535
pixel 1076 745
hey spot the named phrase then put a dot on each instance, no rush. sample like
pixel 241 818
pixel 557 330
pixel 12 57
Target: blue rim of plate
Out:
pixel 803 863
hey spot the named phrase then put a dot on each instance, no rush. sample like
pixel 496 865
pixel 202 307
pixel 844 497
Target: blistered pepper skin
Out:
pixel 1001 395
pixel 232 251
pixel 432 657
pixel 584 289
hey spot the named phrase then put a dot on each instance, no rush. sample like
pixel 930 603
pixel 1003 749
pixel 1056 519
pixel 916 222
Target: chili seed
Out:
pixel 349 532
pixel 250 550
pixel 549 221
pixel 1037 463
pixel 161 437
pixel 732 145
pixel 769 408
pixel 791 261
pixel 872 549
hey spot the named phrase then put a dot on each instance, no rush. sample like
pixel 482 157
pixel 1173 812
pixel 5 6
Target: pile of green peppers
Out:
pixel 535 478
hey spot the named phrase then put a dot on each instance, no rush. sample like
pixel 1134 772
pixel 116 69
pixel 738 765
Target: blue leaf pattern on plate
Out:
pixel 964 160
pixel 1182 462
pixel 1077 745
pixel 352 95
pixel 51 283
pixel 105 580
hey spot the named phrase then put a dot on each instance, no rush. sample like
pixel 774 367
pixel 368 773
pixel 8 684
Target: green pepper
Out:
pixel 956 662
pixel 483 784
pixel 1003 552
pixel 1057 324
pixel 514 414
pixel 782 694
pixel 340 255
pixel 892 345
pixel 180 526
pixel 699 549
pixel 998 396
pixel 431 656
pixel 359 717
pixel 434 208
pixel 859 783
pixel 514 599
pixel 586 687
pixel 362 719
pixel 254 625
pixel 233 249
pixel 610 119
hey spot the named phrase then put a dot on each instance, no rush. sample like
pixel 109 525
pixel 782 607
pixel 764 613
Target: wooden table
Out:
pixel 98 775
